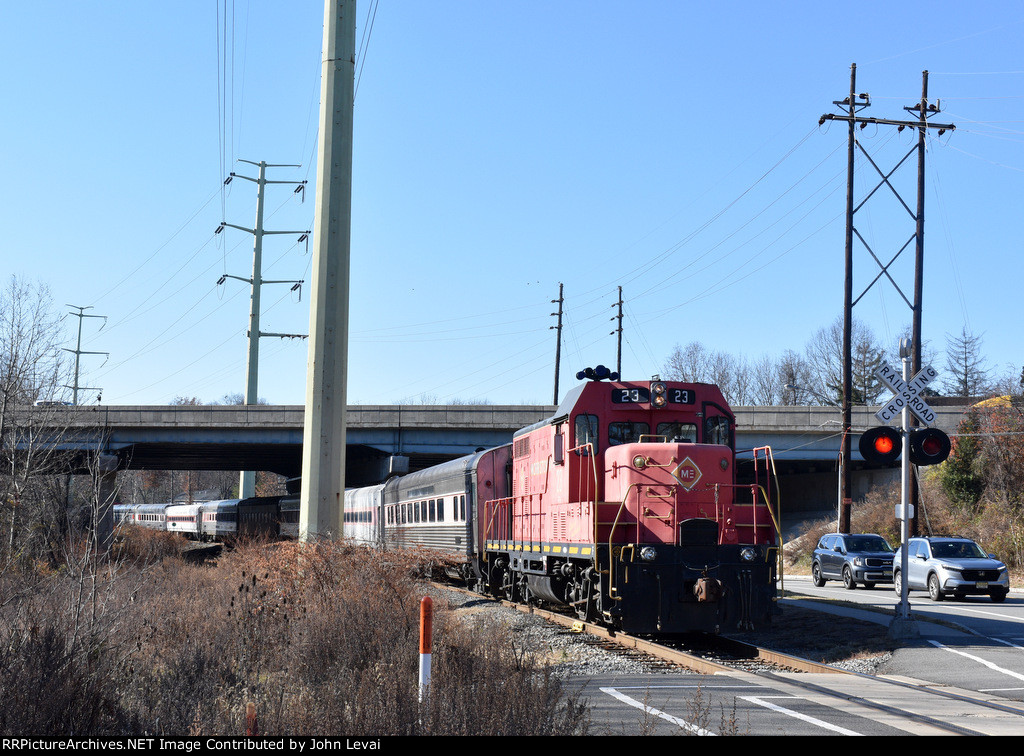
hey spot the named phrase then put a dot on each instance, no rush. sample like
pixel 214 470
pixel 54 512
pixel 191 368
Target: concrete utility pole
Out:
pixel 247 479
pixel 77 351
pixel 321 510
pixel 852 104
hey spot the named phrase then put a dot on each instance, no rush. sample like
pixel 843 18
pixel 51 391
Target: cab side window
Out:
pixel 586 431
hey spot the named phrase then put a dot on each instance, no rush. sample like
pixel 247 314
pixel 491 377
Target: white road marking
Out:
pixel 656 712
pixel 978 659
pixel 759 700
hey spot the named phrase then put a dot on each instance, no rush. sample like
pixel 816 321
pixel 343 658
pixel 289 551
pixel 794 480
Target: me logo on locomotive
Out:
pixel 687 473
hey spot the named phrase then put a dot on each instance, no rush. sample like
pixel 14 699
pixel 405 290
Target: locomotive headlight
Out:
pixel 648 553
pixel 748 554
pixel 658 395
pixel 639 461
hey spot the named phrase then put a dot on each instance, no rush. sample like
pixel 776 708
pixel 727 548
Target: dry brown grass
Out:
pixel 322 639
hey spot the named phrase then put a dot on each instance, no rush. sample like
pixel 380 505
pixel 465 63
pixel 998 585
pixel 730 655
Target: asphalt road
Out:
pixel 970 646
pixel 974 643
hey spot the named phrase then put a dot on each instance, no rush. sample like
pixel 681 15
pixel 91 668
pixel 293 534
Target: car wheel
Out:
pixel 897 583
pixel 816 577
pixel 998 596
pixel 934 591
pixel 848 582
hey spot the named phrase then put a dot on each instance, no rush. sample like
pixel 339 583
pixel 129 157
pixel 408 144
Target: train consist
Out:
pixel 623 506
pixel 259 517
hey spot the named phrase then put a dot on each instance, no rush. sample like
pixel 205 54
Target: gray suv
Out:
pixel 952 566
pixel 859 558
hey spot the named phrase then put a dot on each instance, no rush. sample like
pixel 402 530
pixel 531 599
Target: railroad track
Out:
pixel 718 654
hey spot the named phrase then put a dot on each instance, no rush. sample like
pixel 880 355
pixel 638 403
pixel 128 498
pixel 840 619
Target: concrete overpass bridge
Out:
pixel 381 439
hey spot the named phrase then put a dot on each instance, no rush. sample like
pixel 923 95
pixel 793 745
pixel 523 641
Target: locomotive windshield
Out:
pixel 678 433
pixel 626 433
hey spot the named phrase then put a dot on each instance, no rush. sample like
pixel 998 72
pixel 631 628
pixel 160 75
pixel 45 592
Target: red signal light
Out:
pixel 881 445
pixel 928 446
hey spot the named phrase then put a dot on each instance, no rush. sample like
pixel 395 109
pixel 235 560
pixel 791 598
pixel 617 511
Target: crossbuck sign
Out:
pixel 906 394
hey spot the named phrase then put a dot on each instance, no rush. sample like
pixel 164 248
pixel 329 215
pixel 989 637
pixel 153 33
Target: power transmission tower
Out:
pixel 558 338
pixel 852 105
pixel 247 479
pixel 77 351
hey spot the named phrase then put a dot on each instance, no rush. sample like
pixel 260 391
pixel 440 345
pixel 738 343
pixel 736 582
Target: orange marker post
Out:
pixel 426 631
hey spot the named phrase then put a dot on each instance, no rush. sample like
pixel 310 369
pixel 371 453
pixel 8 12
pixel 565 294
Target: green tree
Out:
pixel 962 475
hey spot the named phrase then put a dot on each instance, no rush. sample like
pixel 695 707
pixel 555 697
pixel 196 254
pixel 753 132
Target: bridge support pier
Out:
pixel 104 486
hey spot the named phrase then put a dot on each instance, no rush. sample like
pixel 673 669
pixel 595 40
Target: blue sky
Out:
pixel 671 148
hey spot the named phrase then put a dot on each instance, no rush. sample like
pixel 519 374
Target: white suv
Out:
pixel 955 566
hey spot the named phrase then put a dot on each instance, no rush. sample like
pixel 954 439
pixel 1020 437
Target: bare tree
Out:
pixel 796 377
pixel 825 357
pixel 32 372
pixel 694 363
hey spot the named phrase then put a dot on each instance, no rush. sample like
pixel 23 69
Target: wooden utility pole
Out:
pixel 558 342
pixel 618 350
pixel 323 449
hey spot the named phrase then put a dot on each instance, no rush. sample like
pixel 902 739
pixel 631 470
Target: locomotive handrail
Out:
pixel 769 459
pixel 497 503
pixel 611 540
pixel 591 455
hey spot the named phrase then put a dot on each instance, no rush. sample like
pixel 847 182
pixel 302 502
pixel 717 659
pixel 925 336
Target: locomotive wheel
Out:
pixel 584 599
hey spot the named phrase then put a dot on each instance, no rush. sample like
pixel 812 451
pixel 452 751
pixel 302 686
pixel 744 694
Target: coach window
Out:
pixel 440 510
pixel 586 431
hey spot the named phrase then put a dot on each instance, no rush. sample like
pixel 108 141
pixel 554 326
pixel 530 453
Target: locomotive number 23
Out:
pixel 630 395
pixel 680 396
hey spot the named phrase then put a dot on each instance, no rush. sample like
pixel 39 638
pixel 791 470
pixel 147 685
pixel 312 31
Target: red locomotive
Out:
pixel 623 506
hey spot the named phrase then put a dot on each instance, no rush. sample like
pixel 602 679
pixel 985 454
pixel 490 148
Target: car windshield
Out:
pixel 867 543
pixel 957 550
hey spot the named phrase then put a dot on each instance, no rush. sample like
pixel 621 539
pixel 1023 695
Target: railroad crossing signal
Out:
pixel 906 394
pixel 883 445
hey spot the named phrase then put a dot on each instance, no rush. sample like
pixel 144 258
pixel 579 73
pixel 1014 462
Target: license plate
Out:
pixel 981 586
